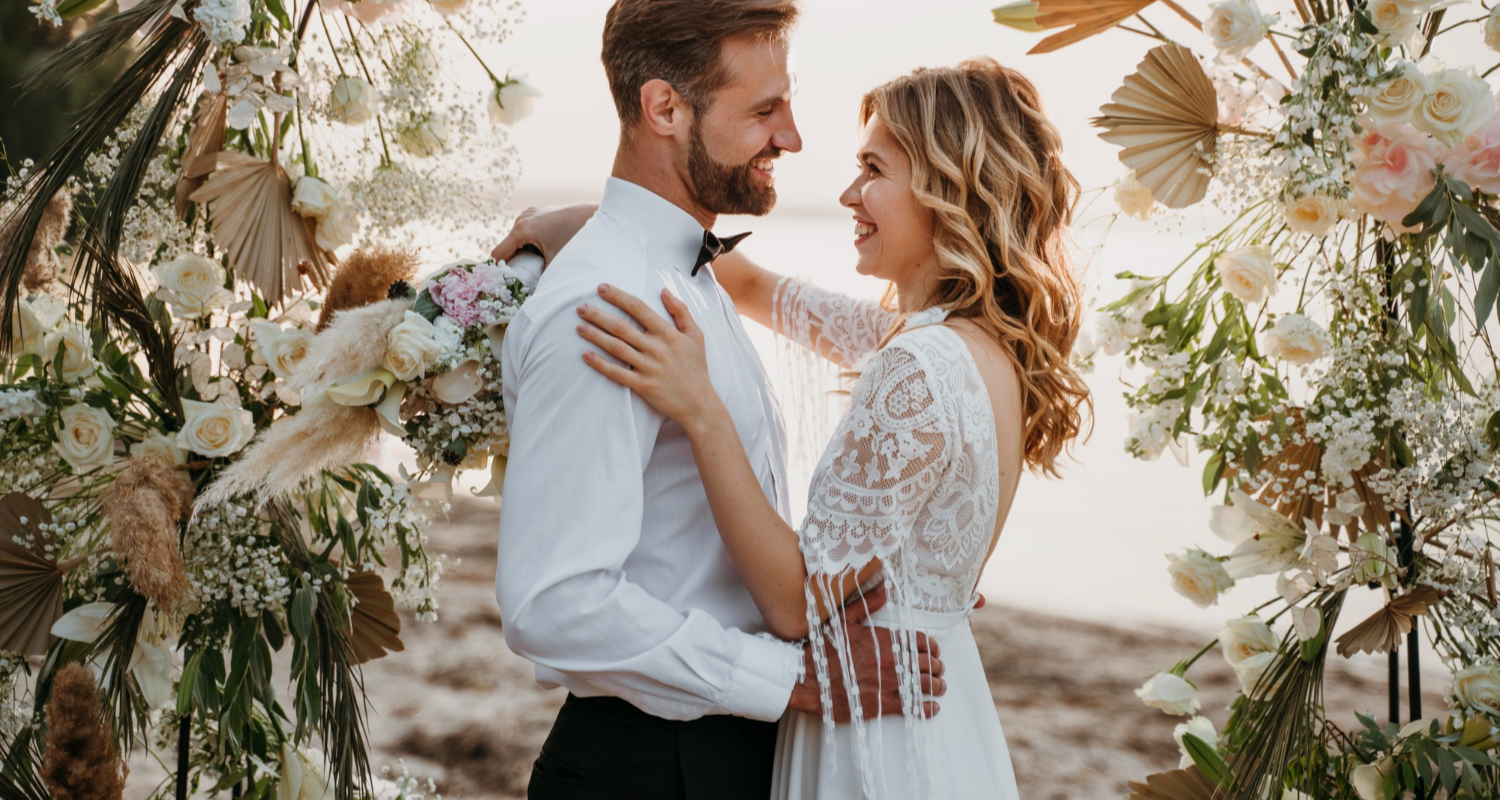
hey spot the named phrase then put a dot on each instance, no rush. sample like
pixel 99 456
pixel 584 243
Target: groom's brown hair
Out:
pixel 679 41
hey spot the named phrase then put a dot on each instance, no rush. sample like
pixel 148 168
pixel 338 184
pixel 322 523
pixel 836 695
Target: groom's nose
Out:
pixel 786 137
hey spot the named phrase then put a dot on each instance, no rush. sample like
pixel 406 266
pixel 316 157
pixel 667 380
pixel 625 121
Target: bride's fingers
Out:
pixel 611 345
pixel 650 320
pixel 614 326
pixel 680 314
pixel 614 372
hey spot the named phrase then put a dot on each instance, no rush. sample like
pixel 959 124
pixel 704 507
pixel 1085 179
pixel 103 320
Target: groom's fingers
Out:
pixel 929 665
pixel 935 687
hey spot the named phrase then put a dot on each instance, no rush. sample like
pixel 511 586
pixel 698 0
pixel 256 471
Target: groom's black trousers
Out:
pixel 604 747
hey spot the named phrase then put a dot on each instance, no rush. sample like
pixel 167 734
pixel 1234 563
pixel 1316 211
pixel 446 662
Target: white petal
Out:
pixel 84 623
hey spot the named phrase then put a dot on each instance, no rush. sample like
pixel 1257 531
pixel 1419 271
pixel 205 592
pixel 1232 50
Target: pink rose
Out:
pixel 367 11
pixel 1477 161
pixel 1393 172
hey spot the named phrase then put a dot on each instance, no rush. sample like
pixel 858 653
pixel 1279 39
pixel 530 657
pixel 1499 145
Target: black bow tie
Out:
pixel 713 247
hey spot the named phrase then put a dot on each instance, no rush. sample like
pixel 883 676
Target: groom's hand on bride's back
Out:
pixel 547 229
pixel 874 668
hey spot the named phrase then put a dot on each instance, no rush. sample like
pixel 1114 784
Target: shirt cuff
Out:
pixel 763 678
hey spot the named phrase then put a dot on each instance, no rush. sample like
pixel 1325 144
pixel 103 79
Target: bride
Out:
pixel 962 202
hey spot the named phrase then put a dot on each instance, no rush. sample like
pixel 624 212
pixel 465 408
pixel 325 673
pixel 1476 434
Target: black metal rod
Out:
pixel 1395 681
pixel 1414 673
pixel 184 732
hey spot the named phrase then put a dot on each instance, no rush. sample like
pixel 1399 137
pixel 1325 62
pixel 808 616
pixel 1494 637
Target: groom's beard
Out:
pixel 727 188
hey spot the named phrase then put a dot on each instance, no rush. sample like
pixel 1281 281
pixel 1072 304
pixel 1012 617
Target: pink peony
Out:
pixel 1477 161
pixel 458 294
pixel 1393 172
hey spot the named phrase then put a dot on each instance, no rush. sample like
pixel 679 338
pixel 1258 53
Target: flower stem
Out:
pixel 379 126
pixel 470 47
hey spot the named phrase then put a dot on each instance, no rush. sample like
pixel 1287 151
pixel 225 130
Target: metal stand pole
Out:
pixel 184 731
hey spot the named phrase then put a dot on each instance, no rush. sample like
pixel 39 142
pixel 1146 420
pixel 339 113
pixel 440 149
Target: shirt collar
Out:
pixel 670 230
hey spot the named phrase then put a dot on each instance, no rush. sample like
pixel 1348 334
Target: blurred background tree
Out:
pixel 31 124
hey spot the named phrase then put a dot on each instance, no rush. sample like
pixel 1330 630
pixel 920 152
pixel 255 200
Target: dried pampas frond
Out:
pixel 365 278
pixel 144 510
pixel 353 344
pixel 322 435
pixel 81 762
pixel 42 263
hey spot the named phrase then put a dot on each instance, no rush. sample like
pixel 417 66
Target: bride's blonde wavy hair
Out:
pixel 988 163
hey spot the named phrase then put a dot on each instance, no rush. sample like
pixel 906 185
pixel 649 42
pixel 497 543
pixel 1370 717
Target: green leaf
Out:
pixel 1213 472
pixel 1487 292
pixel 279 12
pixel 1423 213
pixel 186 682
pixel 1473 756
pixel 115 388
pixel 302 613
pixel 1207 758
pixel 1159 315
pixel 426 306
pixel 69 9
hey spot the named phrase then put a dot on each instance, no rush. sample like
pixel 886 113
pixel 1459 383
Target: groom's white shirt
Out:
pixel 612 578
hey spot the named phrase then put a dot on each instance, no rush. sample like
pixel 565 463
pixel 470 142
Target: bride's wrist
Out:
pixel 708 418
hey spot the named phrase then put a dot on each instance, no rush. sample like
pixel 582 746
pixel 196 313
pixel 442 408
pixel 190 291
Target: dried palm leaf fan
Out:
pixel 31 582
pixel 1178 784
pixel 374 627
pixel 252 217
pixel 1088 17
pixel 204 143
pixel 1166 117
pixel 1382 632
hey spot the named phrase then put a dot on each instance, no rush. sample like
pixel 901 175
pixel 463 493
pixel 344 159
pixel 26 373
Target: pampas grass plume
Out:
pixel 352 345
pixel 144 509
pixel 81 762
pixel 365 278
pixel 322 435
pixel 41 261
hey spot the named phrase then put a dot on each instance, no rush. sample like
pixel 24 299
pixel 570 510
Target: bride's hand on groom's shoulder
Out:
pixel 548 229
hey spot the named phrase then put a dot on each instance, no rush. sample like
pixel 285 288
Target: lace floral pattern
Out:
pixel 846 329
pixel 912 474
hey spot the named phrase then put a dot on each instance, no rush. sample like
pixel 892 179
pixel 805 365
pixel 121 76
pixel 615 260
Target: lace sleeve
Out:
pixel 840 327
pixel 886 459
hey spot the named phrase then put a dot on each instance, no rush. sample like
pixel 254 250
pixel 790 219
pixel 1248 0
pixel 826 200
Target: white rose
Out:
pixel 1399 97
pixel 29 325
pixel 512 100
pixel 1236 26
pixel 1315 214
pixel 1492 29
pixel 160 447
pixel 304 775
pixel 1369 779
pixel 1244 638
pixel 214 429
pixel 412 348
pixel 86 438
pixel 446 7
pixel 77 351
pixel 1200 727
pixel 1198 576
pixel 424 137
pixel 194 285
pixel 1458 104
pixel 1296 339
pixel 282 349
pixel 315 199
pixel 1248 273
pixel 1169 693
pixel 1251 671
pixel 1478 688
pixel 224 21
pixel 352 101
pixel 1133 197
pixel 1394 21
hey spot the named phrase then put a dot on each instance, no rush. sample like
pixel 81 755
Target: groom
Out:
pixel 612 578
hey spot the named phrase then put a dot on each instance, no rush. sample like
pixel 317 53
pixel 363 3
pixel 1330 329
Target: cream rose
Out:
pixel 352 101
pixel 1399 97
pixel 1198 576
pixel 1369 779
pixel 282 349
pixel 193 285
pixel 424 137
pixel 315 199
pixel 161 448
pixel 1394 20
pixel 304 775
pixel 1236 26
pixel 1477 687
pixel 512 100
pixel 1169 693
pixel 86 437
pixel 1457 104
pixel 1315 214
pixel 77 351
pixel 1251 671
pixel 1248 273
pixel 1492 29
pixel 1296 339
pixel 412 347
pixel 214 429
pixel 1134 198
pixel 1201 728
pixel 30 324
pixel 1245 637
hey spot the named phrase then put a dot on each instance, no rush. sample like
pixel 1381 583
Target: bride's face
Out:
pixel 892 231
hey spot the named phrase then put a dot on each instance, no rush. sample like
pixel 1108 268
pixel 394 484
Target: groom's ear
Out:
pixel 663 111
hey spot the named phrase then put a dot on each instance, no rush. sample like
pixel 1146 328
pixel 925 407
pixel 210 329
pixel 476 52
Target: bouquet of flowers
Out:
pixel 1330 352
pixel 190 286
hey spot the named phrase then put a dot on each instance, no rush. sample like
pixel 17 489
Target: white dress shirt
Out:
pixel 612 578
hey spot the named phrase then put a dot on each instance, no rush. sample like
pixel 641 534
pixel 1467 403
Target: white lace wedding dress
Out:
pixel 911 477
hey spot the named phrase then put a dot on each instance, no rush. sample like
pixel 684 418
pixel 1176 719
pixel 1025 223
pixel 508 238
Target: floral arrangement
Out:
pixel 201 337
pixel 1329 351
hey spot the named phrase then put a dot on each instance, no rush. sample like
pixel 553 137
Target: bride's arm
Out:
pixel 671 373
